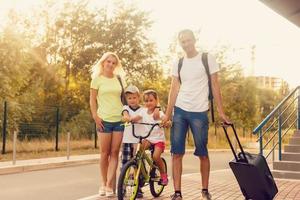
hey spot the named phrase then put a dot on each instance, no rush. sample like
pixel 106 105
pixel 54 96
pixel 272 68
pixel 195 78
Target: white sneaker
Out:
pixel 102 191
pixel 109 193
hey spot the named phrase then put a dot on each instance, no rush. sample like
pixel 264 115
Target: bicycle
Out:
pixel 135 174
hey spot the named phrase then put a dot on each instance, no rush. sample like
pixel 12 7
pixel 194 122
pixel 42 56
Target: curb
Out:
pixel 52 163
pixel 44 166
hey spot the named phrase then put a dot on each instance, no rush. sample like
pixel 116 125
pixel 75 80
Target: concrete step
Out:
pixel 294 140
pixel 295 136
pixel 286 174
pixel 292 148
pixel 290 156
pixel 297 133
pixel 287 165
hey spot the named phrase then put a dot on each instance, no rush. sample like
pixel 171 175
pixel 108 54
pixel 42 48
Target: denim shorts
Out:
pixel 110 127
pixel 198 123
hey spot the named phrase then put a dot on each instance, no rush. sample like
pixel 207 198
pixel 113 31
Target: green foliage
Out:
pixel 162 87
pixel 80 126
pixel 45 59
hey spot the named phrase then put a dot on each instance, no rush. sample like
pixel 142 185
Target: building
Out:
pixel 270 82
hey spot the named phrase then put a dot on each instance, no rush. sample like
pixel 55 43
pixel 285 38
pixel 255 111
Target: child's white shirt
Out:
pixel 158 133
pixel 138 128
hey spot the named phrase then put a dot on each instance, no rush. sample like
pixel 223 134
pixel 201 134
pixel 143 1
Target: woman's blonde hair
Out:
pixel 97 68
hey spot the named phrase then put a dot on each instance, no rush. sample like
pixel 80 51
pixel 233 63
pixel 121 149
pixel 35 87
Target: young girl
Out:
pixel 157 136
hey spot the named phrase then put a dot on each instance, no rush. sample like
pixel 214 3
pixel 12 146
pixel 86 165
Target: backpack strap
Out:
pixel 205 63
pixel 179 68
pixel 210 95
pixel 123 99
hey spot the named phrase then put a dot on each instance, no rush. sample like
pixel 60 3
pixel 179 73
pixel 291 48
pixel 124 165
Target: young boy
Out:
pixel 131 113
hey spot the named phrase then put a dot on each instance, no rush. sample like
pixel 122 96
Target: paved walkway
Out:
pixel 222 182
pixel 223 186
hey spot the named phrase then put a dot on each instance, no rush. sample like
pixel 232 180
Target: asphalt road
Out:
pixel 82 181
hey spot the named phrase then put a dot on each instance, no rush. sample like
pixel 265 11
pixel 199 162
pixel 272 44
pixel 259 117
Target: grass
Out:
pixel 46 148
pixel 33 149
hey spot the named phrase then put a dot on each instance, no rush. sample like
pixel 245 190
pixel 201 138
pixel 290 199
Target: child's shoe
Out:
pixel 164 179
pixel 140 194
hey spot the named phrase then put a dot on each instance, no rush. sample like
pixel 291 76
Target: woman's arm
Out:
pixel 93 107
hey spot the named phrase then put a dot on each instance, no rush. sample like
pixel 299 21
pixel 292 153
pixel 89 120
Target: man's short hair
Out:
pixel 186 31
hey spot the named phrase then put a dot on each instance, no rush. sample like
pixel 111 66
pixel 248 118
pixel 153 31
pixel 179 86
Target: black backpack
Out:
pixel 210 95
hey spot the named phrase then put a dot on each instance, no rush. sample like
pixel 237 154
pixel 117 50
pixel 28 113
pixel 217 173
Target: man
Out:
pixel 189 98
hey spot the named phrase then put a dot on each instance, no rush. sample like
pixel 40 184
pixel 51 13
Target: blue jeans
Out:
pixel 198 122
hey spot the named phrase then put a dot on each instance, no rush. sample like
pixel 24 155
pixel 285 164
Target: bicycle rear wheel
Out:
pixel 155 187
pixel 128 182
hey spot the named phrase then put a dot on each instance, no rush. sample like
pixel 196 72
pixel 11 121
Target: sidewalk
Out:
pixel 7 167
pixel 222 182
pixel 46 163
pixel 223 186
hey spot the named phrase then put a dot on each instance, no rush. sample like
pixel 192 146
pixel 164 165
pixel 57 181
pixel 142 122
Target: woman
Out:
pixel 106 108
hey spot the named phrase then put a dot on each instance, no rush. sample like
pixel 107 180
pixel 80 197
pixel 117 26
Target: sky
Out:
pixel 241 24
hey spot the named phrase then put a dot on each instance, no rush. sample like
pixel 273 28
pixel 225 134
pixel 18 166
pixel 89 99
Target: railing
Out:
pixel 278 123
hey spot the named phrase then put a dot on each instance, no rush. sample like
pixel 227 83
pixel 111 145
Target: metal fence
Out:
pixel 2 122
pixel 44 122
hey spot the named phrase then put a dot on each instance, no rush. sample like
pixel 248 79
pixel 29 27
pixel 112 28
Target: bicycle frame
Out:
pixel 137 173
pixel 141 156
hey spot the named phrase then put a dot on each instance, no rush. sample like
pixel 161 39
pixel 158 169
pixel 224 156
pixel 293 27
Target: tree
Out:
pixel 57 44
pixel 14 71
pixel 235 87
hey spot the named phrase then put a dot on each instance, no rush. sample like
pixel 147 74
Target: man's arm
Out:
pixel 174 90
pixel 217 96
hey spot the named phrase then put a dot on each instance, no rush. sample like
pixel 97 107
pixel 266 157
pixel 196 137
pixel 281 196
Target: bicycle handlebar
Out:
pixel 148 124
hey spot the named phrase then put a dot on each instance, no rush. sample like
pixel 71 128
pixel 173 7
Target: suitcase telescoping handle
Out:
pixel 225 125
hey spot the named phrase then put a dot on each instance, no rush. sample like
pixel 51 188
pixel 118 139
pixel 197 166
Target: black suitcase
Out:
pixel 251 172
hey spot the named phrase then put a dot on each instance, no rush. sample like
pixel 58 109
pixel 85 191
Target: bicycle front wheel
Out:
pixel 128 182
pixel 155 187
